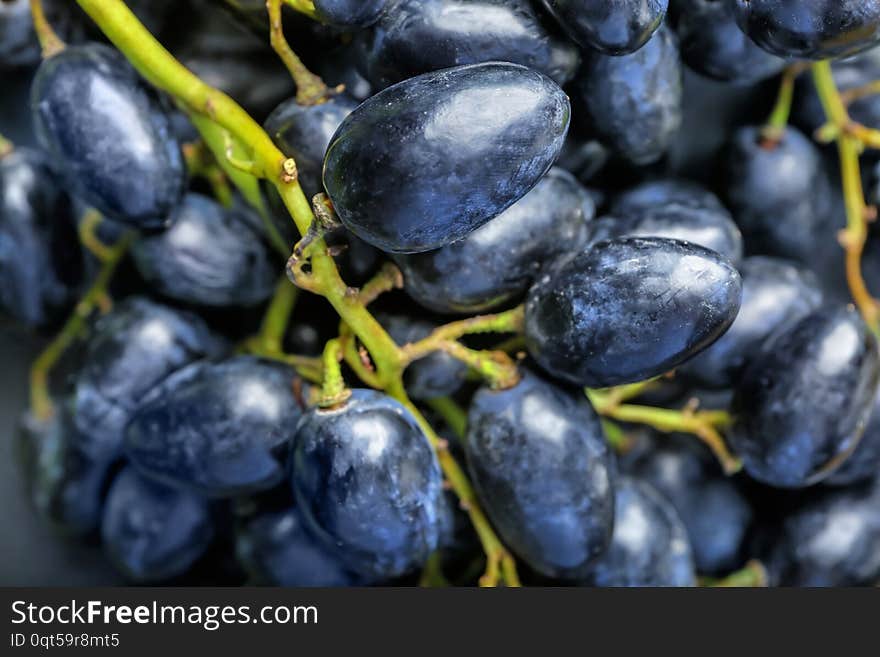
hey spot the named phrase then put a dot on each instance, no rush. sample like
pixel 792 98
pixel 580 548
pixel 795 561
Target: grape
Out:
pixel 634 101
pixel 349 13
pixel 810 29
pixel 419 36
pixel 615 27
pixel 629 309
pixel 406 174
pixel 151 532
pixel 132 350
pixel 776 294
pixel 712 44
pixel 649 546
pixel 802 404
pixel 496 263
pixel 109 136
pixel 715 514
pixel 368 484
pixel 220 430
pixel 543 471
pixel 864 463
pixel 209 256
pixel 277 549
pixel 40 265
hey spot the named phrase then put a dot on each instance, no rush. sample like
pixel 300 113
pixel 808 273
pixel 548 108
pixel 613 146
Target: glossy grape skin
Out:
pixel 776 295
pixel 277 549
pixel 810 29
pixel 303 132
pixel 151 532
pixel 664 191
pixel 209 256
pixel 649 546
pixel 495 264
pixel 429 160
pixel 368 484
pixel 349 13
pixel 629 309
pixel 802 404
pixel 711 43
pixel 613 27
pixel 710 226
pixel 218 429
pixel 418 36
pixel 635 101
pixel 864 463
pixel 108 135
pixel 716 515
pixel 779 194
pixel 438 375
pixel 65 486
pixel 540 464
pixel 41 264
pixel 832 540
pixel 131 350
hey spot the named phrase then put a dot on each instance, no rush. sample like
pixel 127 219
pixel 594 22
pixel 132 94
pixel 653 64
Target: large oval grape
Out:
pixel 630 309
pixel 425 162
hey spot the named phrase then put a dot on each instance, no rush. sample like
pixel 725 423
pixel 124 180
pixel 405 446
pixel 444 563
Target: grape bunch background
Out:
pixel 440 292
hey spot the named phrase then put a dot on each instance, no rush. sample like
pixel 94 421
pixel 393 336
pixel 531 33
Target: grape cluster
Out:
pixel 448 291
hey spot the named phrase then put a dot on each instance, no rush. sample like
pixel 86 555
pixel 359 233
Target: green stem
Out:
pixel 703 424
pixel 277 316
pixel 616 437
pixel 50 42
pixel 41 401
pixel 854 237
pixel 452 414
pixel 753 575
pixel 333 393
pixel 778 121
pixel 310 89
pixel 6 147
pixel 306 7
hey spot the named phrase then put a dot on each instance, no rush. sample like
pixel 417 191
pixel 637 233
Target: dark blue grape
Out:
pixel 779 194
pixel 629 309
pixel 429 160
pixel 209 256
pixel 665 191
pixel 776 294
pixel 634 102
pixel 418 36
pixel 614 27
pixel 716 515
pixel 810 29
pixel 802 404
pixel 41 264
pixel 649 546
pixel 65 485
pixel 133 349
pixel 495 264
pixel 151 532
pixel 543 471
pixel 108 135
pixel 277 549
pixel 707 224
pixel 349 13
pixel 19 47
pixel 369 485
pixel 220 430
pixel 438 375
pixel 712 43
pixel 303 132
pixel 831 540
pixel 864 463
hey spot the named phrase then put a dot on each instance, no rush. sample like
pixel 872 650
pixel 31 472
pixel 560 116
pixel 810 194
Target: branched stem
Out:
pixel 850 96
pixel 50 42
pixel 703 424
pixel 160 68
pixel 95 297
pixel 310 89
pixel 510 321
pixel 855 235
pixel 386 279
